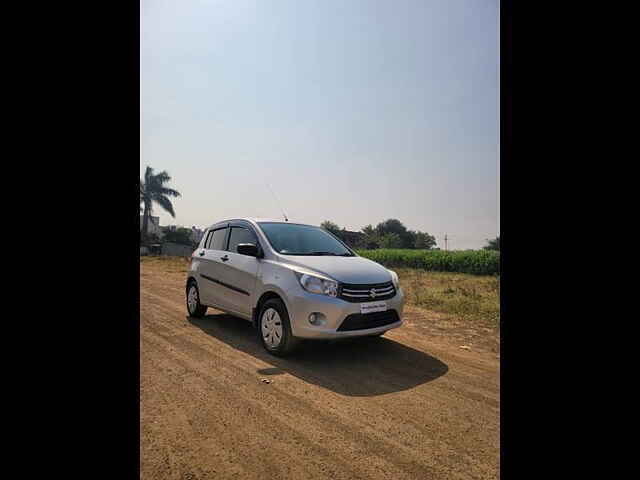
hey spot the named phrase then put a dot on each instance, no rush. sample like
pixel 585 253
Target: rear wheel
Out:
pixel 194 307
pixel 275 329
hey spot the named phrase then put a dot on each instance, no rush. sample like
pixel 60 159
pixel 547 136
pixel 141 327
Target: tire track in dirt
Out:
pixel 315 422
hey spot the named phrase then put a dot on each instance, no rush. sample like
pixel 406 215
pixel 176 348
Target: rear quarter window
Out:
pixel 206 240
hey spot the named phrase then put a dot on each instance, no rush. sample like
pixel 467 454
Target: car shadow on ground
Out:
pixel 366 366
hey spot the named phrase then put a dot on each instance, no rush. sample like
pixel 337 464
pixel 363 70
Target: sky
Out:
pixel 352 111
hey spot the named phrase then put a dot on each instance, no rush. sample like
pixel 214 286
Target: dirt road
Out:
pixel 404 406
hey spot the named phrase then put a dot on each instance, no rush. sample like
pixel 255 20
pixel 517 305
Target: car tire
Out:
pixel 283 340
pixel 194 307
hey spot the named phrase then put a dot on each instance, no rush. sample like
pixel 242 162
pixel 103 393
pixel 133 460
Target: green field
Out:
pixel 475 262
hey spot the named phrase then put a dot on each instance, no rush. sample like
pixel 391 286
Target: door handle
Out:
pixel 201 253
pixel 225 258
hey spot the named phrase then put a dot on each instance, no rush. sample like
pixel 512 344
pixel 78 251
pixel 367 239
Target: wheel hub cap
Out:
pixel 271 325
pixel 192 299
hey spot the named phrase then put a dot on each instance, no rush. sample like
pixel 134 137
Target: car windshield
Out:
pixel 296 239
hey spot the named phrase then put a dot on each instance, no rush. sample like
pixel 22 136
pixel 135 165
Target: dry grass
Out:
pixel 470 298
pixel 169 264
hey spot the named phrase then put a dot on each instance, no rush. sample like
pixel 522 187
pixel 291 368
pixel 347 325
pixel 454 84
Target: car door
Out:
pixel 211 290
pixel 239 272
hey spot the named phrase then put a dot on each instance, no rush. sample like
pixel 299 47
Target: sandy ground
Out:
pixel 408 405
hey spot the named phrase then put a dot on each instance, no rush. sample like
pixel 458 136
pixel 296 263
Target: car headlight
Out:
pixel 321 286
pixel 394 279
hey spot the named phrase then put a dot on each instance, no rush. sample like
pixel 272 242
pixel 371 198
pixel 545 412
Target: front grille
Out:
pixel 363 321
pixel 352 292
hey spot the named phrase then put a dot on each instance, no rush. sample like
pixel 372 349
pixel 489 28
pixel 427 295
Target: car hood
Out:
pixel 343 269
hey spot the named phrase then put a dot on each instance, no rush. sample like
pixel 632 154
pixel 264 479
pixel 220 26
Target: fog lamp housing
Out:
pixel 317 319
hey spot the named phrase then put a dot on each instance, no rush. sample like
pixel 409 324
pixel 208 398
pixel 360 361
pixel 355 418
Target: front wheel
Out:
pixel 275 329
pixel 194 307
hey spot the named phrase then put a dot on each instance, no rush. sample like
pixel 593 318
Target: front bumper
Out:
pixel 302 304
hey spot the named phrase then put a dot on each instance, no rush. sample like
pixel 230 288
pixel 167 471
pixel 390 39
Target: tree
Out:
pixel 153 238
pixel 393 225
pixel 391 240
pixel 393 234
pixel 333 228
pixel 153 190
pixel 330 226
pixel 368 230
pixel 371 238
pixel 180 235
pixel 341 233
pixel 493 244
pixel 424 241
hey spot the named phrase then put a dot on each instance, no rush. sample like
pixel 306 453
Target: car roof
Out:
pixel 260 219
pixel 255 220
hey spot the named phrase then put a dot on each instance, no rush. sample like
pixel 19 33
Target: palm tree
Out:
pixel 153 189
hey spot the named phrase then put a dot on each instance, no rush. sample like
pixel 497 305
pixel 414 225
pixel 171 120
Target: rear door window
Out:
pixel 217 239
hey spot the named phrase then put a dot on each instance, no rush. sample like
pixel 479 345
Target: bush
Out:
pixel 476 262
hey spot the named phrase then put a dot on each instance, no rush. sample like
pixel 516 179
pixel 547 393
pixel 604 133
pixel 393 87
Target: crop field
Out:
pixel 475 262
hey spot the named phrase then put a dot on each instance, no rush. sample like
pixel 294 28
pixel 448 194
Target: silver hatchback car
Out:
pixel 292 281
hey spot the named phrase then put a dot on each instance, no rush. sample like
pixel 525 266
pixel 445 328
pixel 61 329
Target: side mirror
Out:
pixel 249 249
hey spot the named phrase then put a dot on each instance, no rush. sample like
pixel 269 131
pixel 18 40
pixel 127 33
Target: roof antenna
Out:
pixel 278 202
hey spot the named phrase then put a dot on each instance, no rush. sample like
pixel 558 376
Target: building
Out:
pixel 196 234
pixel 153 227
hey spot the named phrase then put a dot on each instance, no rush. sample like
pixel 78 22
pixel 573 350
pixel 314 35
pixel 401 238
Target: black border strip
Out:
pixel 231 287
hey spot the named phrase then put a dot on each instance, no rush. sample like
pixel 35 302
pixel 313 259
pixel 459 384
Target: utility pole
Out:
pixel 445 242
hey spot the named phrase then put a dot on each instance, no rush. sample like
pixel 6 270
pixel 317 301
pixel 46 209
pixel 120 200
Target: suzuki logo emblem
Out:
pixel 372 293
